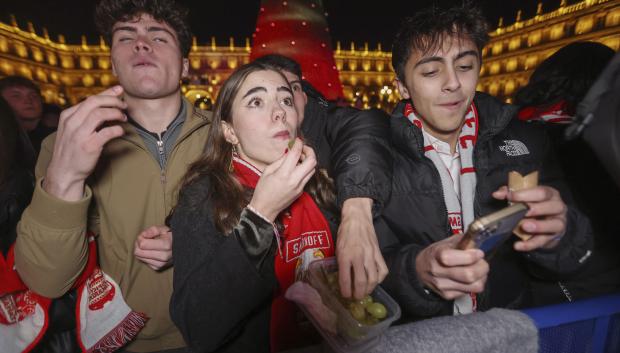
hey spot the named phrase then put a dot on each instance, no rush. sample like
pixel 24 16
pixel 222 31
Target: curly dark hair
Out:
pixel 109 12
pixel 428 28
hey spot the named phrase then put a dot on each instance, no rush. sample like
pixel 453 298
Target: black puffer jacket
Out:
pixel 353 145
pixel 416 216
pixel 594 191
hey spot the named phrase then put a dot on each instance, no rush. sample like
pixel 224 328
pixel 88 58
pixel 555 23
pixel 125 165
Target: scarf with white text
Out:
pixel 460 207
pixel 105 323
pixel 306 237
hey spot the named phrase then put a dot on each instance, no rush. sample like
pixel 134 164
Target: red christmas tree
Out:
pixel 298 29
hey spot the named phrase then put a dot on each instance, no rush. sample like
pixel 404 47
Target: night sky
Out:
pixel 349 20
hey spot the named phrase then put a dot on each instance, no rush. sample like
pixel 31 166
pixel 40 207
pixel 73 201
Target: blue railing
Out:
pixel 585 326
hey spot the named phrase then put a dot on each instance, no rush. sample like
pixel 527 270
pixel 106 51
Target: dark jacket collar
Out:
pixel 493 117
pixel 315 113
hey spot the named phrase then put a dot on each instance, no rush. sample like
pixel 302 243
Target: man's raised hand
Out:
pixel 83 130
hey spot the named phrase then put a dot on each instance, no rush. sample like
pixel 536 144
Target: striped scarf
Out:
pixel 105 323
pixel 558 113
pixel 460 207
pixel 306 237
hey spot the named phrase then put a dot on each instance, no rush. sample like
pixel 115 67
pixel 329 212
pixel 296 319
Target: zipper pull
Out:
pixel 162 176
pixel 160 144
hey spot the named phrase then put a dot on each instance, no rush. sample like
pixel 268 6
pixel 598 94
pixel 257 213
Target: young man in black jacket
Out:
pixel 454 149
pixel 365 182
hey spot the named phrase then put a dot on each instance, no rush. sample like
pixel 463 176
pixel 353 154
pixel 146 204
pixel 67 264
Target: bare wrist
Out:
pixel 357 207
pixel 66 189
pixel 258 213
pixel 263 212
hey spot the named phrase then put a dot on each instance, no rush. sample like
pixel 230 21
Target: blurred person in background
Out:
pixel 550 99
pixel 25 99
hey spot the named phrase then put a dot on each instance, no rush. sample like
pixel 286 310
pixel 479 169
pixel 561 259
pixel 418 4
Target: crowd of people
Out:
pixel 149 225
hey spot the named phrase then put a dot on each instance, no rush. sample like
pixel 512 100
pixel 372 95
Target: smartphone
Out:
pixel 488 232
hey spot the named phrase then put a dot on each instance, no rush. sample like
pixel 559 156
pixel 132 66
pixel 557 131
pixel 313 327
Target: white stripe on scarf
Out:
pixel 460 213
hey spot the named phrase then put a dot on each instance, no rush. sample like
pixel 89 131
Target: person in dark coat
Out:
pixel 453 151
pixel 550 99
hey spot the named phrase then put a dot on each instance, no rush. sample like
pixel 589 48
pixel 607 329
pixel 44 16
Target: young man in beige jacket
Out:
pixel 114 167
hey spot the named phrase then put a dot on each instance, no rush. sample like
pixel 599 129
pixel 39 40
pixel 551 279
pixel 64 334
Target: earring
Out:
pixel 231 168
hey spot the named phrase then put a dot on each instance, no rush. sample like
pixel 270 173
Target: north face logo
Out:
pixel 514 148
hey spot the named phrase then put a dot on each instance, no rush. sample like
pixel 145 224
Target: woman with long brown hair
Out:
pixel 244 226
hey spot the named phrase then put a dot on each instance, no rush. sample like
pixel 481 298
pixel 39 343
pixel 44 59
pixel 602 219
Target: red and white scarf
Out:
pixel 558 113
pixel 460 207
pixel 105 322
pixel 306 237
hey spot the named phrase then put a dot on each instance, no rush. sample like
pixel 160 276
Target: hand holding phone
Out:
pixel 451 272
pixel 488 232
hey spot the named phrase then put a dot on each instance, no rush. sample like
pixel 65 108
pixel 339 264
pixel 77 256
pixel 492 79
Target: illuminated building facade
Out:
pixel 514 51
pixel 67 73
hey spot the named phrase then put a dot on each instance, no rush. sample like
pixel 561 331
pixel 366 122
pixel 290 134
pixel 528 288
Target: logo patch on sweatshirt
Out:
pixel 514 148
pixel 309 240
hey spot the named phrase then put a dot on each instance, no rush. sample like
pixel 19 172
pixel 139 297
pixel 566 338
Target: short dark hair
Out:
pixel 18 81
pixel 109 12
pixel 566 75
pixel 427 30
pixel 280 62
